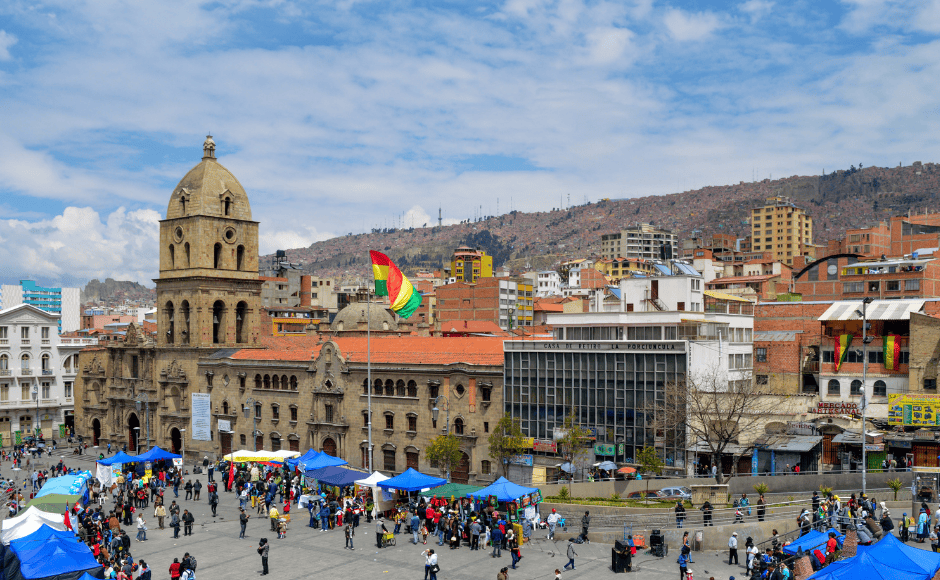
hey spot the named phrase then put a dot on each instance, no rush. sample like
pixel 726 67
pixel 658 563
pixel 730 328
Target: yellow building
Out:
pixel 783 229
pixel 616 268
pixel 468 264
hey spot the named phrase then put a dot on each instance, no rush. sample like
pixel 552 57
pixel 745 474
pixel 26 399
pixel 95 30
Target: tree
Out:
pixel 714 412
pixel 649 462
pixel 506 440
pixel 445 451
pixel 572 439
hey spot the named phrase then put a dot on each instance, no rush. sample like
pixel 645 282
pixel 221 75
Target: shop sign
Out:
pixel 801 428
pixel 823 408
pixel 521 459
pixel 604 449
pixel 545 445
pixel 874 447
pixel 528 442
pixel 913 410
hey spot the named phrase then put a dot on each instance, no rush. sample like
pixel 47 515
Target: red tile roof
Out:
pixel 471 326
pixel 403 350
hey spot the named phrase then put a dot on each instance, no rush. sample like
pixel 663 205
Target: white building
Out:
pixel 37 373
pixel 65 302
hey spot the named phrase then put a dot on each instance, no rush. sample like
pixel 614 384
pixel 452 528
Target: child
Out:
pixel 282 529
pixel 424 533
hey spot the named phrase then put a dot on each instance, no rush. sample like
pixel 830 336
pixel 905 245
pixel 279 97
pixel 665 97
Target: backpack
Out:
pixel 192 562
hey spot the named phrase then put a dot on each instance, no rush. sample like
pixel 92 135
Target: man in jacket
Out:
pixel 733 549
pixel 214 502
pixel 552 520
pixel 571 555
pixel 188 520
pixel 273 515
pixel 585 523
pixel 263 549
pixel 379 531
pixel 416 527
pixel 175 524
pixel 243 520
pixel 497 537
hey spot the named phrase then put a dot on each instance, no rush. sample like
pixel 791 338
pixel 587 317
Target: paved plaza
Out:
pixel 308 552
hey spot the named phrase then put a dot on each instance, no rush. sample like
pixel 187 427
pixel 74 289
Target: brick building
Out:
pixel 506 302
pixel 782 228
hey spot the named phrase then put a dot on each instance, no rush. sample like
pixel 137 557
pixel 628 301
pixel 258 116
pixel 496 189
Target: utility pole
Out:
pixel 865 340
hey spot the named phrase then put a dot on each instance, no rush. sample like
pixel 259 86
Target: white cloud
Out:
pixel 281 239
pixel 607 45
pixel 689 26
pixel 78 245
pixel 416 217
pixel 756 9
pixel 6 41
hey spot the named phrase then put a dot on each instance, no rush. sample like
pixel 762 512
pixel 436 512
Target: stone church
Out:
pixel 211 382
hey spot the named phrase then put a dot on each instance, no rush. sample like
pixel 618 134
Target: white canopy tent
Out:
pixel 384 500
pixel 28 522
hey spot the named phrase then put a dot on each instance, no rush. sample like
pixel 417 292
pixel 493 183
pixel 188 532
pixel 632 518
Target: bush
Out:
pixel 825 491
pixel 761 488
pixel 563 493
pixel 895 485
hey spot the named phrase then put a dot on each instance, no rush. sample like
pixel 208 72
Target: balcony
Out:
pixel 46 342
pixel 5 372
pixel 47 372
pixel 4 342
pixel 78 341
pixel 26 372
pixel 24 342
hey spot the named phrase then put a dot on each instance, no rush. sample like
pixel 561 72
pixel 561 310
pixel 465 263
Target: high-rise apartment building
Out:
pixel 782 228
pixel 62 301
pixel 640 241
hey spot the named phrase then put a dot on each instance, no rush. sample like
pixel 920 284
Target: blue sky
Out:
pixel 338 116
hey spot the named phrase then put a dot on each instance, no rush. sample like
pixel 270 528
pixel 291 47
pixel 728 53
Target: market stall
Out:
pixel 71 484
pixel 107 470
pixel 48 553
pixel 383 500
pixel 412 480
pixel 28 522
pixel 315 460
pixel 517 501
pixel 156 454
pixel 55 503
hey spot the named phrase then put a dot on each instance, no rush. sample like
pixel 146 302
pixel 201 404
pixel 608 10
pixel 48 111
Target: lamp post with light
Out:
pixel 143 400
pixel 865 340
pixel 435 413
pixel 249 409
pixel 137 440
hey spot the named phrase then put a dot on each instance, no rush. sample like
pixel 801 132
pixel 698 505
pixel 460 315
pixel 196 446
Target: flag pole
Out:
pixel 369 373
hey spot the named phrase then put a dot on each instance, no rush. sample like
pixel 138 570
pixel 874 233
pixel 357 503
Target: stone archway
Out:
pixel 95 432
pixel 329 446
pixel 176 441
pixel 461 473
pixel 133 432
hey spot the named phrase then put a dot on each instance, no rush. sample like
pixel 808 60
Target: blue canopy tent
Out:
pixel 71 484
pixel 504 490
pixel 814 539
pixel 49 554
pixel 891 549
pixel 412 480
pixel 119 457
pixel 312 460
pixel 156 454
pixel 864 565
pixel 335 475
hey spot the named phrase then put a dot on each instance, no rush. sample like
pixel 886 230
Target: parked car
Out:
pixel 651 494
pixel 678 492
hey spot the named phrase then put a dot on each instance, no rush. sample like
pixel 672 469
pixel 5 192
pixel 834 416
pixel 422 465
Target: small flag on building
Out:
pixel 389 281
pixel 892 352
pixel 843 341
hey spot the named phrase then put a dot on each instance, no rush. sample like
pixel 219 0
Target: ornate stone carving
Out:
pixel 173 372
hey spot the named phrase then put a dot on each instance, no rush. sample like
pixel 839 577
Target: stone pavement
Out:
pixel 307 552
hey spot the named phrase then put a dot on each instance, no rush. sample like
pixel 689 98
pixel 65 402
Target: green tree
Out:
pixel 572 439
pixel 506 440
pixel 649 461
pixel 445 451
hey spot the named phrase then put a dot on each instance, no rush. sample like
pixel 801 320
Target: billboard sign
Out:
pixel 913 410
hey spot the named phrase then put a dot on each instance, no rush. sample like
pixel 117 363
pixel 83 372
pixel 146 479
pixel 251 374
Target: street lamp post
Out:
pixel 865 340
pixel 144 400
pixel 250 409
pixel 137 440
pixel 435 413
pixel 183 448
pixel 36 431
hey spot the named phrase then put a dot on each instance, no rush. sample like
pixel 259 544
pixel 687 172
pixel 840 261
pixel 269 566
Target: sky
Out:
pixel 339 116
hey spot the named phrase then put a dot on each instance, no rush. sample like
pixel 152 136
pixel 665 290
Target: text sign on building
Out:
pixel 836 409
pixel 913 410
pixel 801 428
pixel 604 449
pixel 631 346
pixel 225 426
pixel 521 459
pixel 202 417
pixel 545 445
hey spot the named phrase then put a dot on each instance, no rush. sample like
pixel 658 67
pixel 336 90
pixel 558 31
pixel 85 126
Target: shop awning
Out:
pixel 796 443
pixel 877 310
pixel 412 480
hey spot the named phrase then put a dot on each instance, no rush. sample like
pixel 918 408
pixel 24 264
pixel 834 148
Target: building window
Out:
pixel 930 384
pixel 275 443
pixel 760 354
pixel 46 388
pixel 893 285
pixel 293 412
pixel 3 333
pixel 258 411
pixel 458 426
pixel 365 419
pixel 856 387
pixel 243 440
pixel 275 412
pixel 485 467
pixel 853 287
pixel 761 379
pixel 4 392
pixel 834 387
pixel 880 389
pixel 486 426
pixel 389 421
pixel 24 332
pixel 912 284
pixel 24 361
pixel 45 332
pixel 412 423
pixel 389 459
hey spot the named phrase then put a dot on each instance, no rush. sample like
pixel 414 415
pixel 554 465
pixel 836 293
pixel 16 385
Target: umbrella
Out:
pixel 626 470
pixel 607 465
pixel 567 467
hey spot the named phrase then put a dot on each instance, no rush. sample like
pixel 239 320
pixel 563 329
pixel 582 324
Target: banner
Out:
pixel 843 341
pixel 62 428
pixel 18 437
pixel 604 448
pixel 202 417
pixel 913 410
pixel 892 351
pixel 545 445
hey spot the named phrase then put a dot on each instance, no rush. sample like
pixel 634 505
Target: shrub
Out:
pixel 761 488
pixel 825 491
pixel 895 485
pixel 563 493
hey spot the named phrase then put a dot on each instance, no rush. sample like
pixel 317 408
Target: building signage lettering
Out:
pixel 545 445
pixel 604 449
pixel 613 345
pixel 523 459
pixel 225 426
pixel 836 408
pixel 801 428
pixel 913 410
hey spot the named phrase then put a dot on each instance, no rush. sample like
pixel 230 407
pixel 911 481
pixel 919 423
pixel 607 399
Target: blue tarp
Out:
pixel 119 457
pixel 891 549
pixel 504 490
pixel 811 541
pixel 47 552
pixel 864 566
pixel 412 480
pixel 336 475
pixel 315 460
pixel 156 454
pixel 75 483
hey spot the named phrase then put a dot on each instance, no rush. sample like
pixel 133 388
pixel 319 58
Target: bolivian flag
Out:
pixel 842 348
pixel 389 281
pixel 892 351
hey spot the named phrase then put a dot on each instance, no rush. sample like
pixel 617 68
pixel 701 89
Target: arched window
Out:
pixel 172 256
pixel 217 256
pixel 226 205
pixel 239 257
pixel 377 387
pixel 71 364
pixel 184 315
pixel 834 387
pixel 412 389
pixel 257 381
pixel 284 383
pixel 389 388
pixel 218 322
pixel 880 389
pixel 400 388
pixel 4 362
pixel 458 426
pixel 44 363
pixel 293 383
pixel 225 407
pixel 267 381
pixel 365 386
pixel 275 382
pixel 241 312
pixel 24 361
pixel 856 387
pixel 186 251
pixel 170 330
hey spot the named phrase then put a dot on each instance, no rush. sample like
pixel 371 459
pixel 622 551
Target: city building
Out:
pixel 99 321
pixel 640 241
pixel 546 283
pixel 62 301
pixel 468 265
pixel 782 228
pixel 37 374
pixel 906 277
pixel 505 301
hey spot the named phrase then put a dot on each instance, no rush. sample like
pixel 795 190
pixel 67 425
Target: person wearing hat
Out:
pixel 906 524
pixel 552 523
pixel 571 554
pixel 923 526
pixel 733 549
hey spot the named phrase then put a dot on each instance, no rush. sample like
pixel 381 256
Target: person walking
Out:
pixel 707 513
pixel 733 549
pixel 188 520
pixel 175 524
pixel 197 487
pixel 750 554
pixel 475 529
pixel 761 506
pixel 273 516
pixel 350 532
pixel 263 550
pixel 497 537
pixel 189 489
pixel 159 512
pixel 680 514
pixel 571 555
pixel 380 531
pixel 243 521
pixel 686 546
pixel 211 470
pixel 415 527
pixel 585 524
pixel 175 569
pixel 512 544
pixel 683 562
pixel 213 502
pixel 552 520
pixel 141 528
pixel 430 564
pixel 906 524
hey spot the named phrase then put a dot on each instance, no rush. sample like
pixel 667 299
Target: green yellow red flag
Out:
pixel 843 341
pixel 389 281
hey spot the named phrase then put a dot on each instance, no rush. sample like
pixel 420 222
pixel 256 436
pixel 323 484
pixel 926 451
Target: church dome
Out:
pixel 353 318
pixel 209 189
